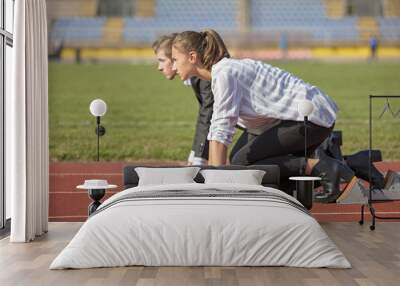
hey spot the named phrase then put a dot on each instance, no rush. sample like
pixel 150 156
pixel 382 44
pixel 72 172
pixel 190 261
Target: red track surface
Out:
pixel 67 203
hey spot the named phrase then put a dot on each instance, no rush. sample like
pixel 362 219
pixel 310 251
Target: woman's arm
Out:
pixel 226 111
pixel 217 153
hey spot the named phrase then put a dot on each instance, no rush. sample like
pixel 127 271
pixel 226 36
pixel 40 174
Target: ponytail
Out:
pixel 208 44
pixel 214 49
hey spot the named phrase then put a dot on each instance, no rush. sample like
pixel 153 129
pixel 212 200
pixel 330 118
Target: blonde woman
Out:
pixel 264 100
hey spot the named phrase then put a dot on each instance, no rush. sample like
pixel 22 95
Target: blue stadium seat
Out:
pixel 78 29
pixel 389 29
pixel 275 17
pixel 178 15
pixel 305 16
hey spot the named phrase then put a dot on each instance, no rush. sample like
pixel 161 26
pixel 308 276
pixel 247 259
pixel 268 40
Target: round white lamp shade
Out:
pixel 98 107
pixel 305 107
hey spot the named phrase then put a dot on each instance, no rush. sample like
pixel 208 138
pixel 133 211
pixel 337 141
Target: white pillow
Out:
pixel 248 177
pixel 164 176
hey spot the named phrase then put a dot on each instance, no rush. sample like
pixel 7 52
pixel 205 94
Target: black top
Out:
pixel 205 97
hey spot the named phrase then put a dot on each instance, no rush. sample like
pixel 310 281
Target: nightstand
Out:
pixel 305 189
pixel 96 191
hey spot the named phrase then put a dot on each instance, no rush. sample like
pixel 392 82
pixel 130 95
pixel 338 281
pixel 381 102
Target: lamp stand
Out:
pixel 98 137
pixel 100 131
pixel 305 140
pixel 96 195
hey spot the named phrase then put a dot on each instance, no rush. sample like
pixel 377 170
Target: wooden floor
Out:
pixel 374 255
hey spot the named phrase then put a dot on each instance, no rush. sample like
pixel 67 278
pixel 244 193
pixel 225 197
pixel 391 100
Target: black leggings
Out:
pixel 282 145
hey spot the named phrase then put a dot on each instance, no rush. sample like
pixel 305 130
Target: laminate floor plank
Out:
pixel 374 255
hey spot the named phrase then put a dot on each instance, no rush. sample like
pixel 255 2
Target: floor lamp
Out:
pixel 305 184
pixel 305 108
pixel 98 108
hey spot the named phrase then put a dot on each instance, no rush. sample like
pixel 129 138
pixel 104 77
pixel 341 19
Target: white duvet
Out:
pixel 183 231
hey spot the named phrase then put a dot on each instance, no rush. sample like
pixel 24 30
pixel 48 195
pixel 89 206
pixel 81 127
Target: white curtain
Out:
pixel 27 158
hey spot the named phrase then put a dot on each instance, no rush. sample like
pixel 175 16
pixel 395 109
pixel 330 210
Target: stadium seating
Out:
pixel 78 30
pixel 71 8
pixel 335 8
pixel 389 29
pixel 112 30
pixel 300 21
pixel 174 15
pixel 197 14
pixel 307 17
pixel 391 8
pixel 144 8
pixel 367 27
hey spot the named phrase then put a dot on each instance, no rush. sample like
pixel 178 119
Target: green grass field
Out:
pixel 149 117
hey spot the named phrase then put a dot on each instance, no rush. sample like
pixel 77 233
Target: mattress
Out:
pixel 201 225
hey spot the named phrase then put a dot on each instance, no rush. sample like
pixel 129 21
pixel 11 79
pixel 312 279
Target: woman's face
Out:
pixel 183 63
pixel 165 65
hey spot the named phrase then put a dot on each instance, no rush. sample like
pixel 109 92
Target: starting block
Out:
pixel 358 193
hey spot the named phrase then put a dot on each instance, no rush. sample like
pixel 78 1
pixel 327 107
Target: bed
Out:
pixel 201 224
